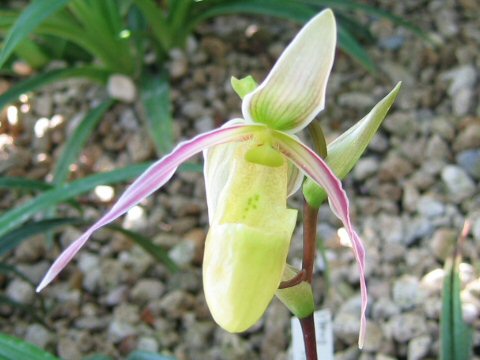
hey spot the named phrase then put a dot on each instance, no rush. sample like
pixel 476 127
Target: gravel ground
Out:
pixel 410 195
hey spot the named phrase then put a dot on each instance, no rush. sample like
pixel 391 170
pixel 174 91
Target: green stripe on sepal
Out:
pixel 344 152
pixel 299 298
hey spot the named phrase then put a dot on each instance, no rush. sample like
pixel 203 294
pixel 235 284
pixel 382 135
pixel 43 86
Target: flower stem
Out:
pixel 309 339
pixel 309 240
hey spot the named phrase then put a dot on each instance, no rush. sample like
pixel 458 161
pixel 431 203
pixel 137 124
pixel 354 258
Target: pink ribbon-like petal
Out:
pixel 315 168
pixel 151 180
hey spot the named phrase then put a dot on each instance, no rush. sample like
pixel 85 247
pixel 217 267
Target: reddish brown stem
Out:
pixel 308 329
pixel 309 243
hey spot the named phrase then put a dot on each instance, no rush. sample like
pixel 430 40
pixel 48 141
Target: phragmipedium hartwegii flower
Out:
pixel 251 166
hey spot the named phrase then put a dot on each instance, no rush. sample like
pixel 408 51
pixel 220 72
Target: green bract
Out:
pixel 344 151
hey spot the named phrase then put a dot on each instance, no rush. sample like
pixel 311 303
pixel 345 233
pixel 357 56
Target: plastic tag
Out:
pixel 323 332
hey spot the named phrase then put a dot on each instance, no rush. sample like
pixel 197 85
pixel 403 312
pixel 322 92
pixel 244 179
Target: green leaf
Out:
pixel 456 337
pixel 243 86
pixel 372 10
pixel 12 348
pixel 27 22
pixel 77 140
pixel 156 101
pixel 32 54
pixel 158 252
pixel 285 9
pixel 102 24
pixel 19 215
pixel 15 237
pixel 146 355
pixel 21 183
pixel 344 152
pixel 7 269
pixel 45 78
pixel 352 47
pixel 157 20
pixel 98 357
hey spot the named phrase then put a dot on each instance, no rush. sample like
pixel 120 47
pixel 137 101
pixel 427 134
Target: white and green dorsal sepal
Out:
pixel 294 91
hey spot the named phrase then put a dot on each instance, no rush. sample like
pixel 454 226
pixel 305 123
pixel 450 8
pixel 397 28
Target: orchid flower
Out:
pixel 251 166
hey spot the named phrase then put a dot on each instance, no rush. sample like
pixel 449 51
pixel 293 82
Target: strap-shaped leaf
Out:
pixel 157 106
pixel 76 142
pixel 12 348
pixel 48 77
pixel 29 19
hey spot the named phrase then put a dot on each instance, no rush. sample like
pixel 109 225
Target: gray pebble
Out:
pixel 458 183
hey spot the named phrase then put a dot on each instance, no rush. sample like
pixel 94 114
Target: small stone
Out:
pixel 373 338
pixel 407 292
pixel 394 42
pixel 419 347
pixel 193 109
pixel 395 168
pixel 139 147
pixel 356 100
pixel 391 228
pixel 122 88
pixel 470 313
pixel 31 249
pixel 214 47
pixel 36 271
pixel 38 335
pixel 20 291
pixel 458 183
pixel 43 106
pixel 416 228
pixel 469 160
pixel 447 22
pixel 148 344
pixel 442 243
pixel 204 124
pixel 365 168
pixel 432 282
pixel 345 327
pixel 68 349
pixel 461 88
pixel 183 253
pixel 119 330
pixel 410 197
pixel 476 230
pixel 468 138
pixel 352 353
pixel 146 290
pixel 407 326
pixel 437 148
pixel 430 207
pixel 384 308
pixel 178 64
pixel 275 339
pixel 175 303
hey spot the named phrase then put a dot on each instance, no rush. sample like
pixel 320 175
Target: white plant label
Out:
pixel 323 332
